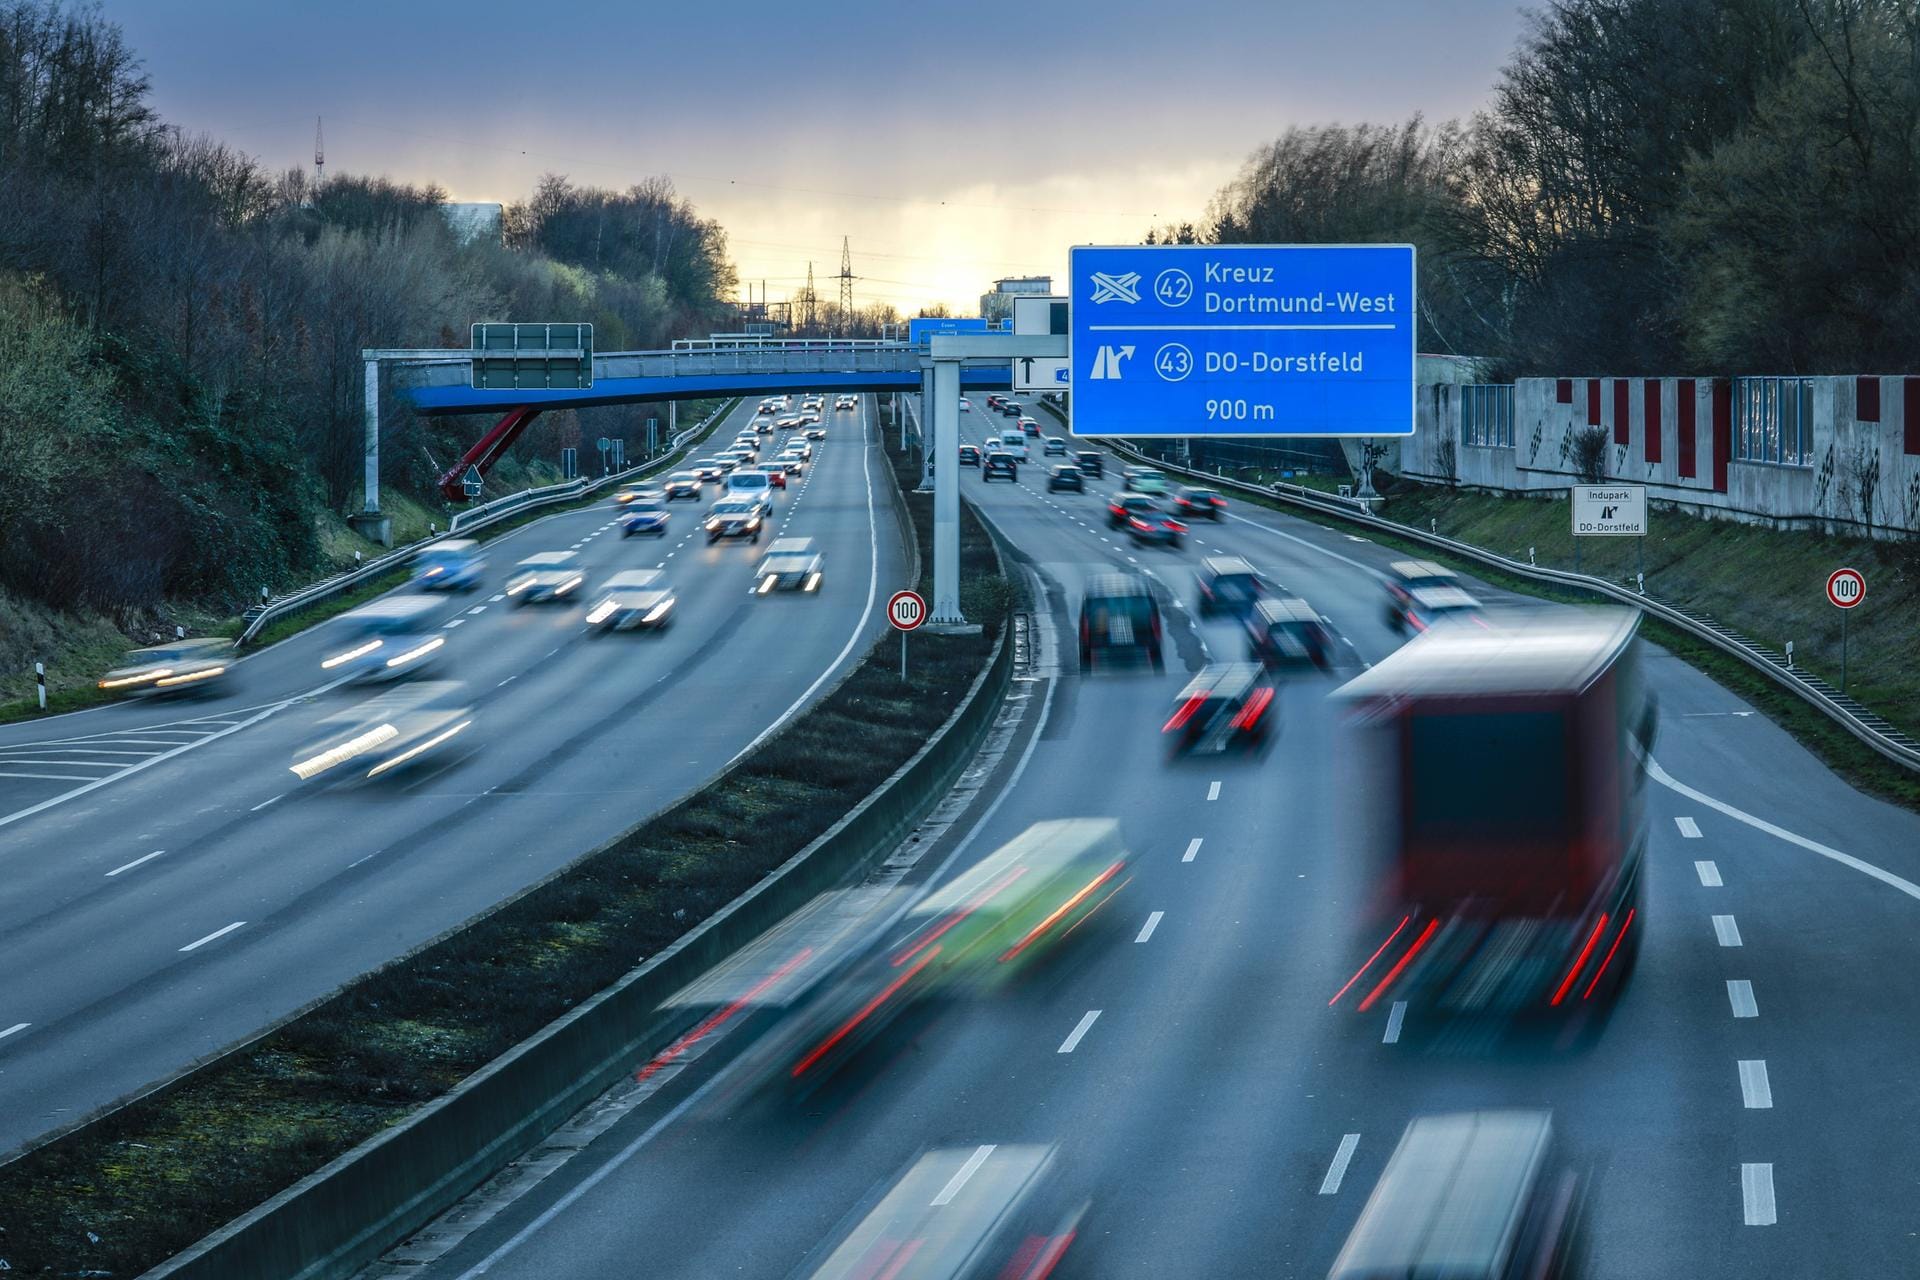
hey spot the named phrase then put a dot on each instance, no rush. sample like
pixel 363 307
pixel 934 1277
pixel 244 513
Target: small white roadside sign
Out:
pixel 1609 511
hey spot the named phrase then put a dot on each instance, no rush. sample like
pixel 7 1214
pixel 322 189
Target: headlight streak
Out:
pixel 396 761
pixel 359 651
pixel 346 751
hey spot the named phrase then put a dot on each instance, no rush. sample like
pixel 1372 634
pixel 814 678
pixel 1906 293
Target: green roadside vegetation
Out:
pixel 121 1195
pixel 76 647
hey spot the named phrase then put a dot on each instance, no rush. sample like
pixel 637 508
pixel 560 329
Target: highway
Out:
pixel 1744 1113
pixel 167 886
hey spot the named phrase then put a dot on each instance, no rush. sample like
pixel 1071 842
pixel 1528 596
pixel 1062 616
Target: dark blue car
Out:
pixel 644 515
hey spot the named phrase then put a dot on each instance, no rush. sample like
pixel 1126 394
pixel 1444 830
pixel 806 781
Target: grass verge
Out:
pixel 135 1187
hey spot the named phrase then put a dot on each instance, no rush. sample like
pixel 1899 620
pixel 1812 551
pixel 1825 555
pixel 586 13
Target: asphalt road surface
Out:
pixel 1746 1112
pixel 167 886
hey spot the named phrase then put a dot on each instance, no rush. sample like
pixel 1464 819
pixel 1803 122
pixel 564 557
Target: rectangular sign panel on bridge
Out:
pixel 1242 340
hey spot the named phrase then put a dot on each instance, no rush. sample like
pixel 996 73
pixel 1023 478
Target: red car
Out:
pixel 776 473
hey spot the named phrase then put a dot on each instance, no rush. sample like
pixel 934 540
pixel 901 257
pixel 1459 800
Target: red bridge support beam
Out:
pixel 484 454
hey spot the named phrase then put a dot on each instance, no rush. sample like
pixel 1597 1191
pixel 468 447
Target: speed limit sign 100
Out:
pixel 1846 588
pixel 906 610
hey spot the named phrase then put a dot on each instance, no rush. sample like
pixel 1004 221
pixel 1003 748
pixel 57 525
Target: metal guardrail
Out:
pixel 465 522
pixel 1866 726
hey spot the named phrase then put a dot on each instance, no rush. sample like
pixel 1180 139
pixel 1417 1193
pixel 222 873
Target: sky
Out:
pixel 950 144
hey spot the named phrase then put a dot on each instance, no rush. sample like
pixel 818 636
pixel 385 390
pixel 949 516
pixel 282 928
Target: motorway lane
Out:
pixel 1204 1109
pixel 575 739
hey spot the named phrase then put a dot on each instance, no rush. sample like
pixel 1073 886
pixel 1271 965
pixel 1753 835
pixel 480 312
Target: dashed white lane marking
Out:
pixel 1073 1037
pixel 1885 877
pixel 1740 996
pixel 1146 930
pixel 496 597
pixel 136 862
pixel 1756 1195
pixel 479 608
pixel 1396 1016
pixel 1213 791
pixel 18 1026
pixel 1726 931
pixel 1337 1171
pixel 217 933
pixel 1708 873
pixel 962 1175
pixel 1688 828
pixel 1756 1091
pixel 455 622
pixel 1193 849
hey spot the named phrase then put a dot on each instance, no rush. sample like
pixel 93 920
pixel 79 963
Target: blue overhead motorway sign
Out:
pixel 1242 340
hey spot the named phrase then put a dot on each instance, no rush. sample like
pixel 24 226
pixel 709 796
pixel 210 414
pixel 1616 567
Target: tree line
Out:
pixel 180 326
pixel 1655 186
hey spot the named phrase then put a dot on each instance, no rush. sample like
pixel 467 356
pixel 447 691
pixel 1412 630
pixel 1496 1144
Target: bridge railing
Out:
pixel 466 522
pixel 756 342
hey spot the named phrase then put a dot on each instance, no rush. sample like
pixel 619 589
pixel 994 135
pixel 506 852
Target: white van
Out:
pixel 746 483
pixel 1015 443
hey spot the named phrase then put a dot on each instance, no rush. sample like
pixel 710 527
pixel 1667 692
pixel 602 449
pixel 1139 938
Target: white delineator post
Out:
pixel 945 411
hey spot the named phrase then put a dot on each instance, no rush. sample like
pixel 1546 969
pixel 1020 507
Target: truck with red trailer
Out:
pixel 1502 769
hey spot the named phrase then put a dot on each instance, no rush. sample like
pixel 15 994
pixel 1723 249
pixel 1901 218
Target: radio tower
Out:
pixel 846 287
pixel 809 313
pixel 319 153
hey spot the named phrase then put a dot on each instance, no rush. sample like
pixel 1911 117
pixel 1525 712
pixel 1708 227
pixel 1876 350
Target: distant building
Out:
pixel 998 305
pixel 471 222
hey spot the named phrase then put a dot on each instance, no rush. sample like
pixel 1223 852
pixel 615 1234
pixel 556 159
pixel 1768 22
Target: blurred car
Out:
pixel 767 406
pixel 1229 585
pixel 451 564
pixel 751 482
pixel 1151 525
pixel 969 455
pixel 1478 1195
pixel 1404 577
pixel 846 402
pixel 171 668
pixel 1143 480
pixel 1440 606
pixel 791 463
pixel 966 405
pixel 787 422
pixel 1012 442
pixel 813 403
pixel 993 401
pixel 791 564
pixel 627 493
pixel 647 515
pixel 734 518
pixel 1053 447
pixel 763 426
pixel 775 471
pixel 633 599
pixel 709 470
pixel 1223 708
pixel 392 638
pixel 999 463
pixel 740 458
pixel 1010 408
pixel 684 484
pixel 1123 507
pixel 1028 427
pixel 1064 477
pixel 1284 631
pixel 1119 614
pixel 400 729
pixel 545 576
pixel 961 1213
pixel 816 432
pixel 1092 462
pixel 1192 503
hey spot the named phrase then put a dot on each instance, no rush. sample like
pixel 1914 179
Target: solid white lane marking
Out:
pixel 1337 1171
pixel 56 777
pixel 1395 1017
pixel 1726 931
pixel 18 1026
pixel 1756 1091
pixel 217 933
pixel 1073 1038
pixel 1756 1195
pixel 1688 828
pixel 1193 848
pixel 962 1175
pixel 1213 791
pixel 1885 877
pixel 1740 996
pixel 1708 873
pixel 136 862
pixel 264 803
pixel 1153 922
